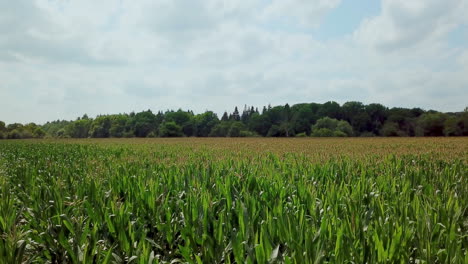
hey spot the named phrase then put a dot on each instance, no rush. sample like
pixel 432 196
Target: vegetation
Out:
pixel 330 127
pixel 18 131
pixel 256 200
pixel 328 119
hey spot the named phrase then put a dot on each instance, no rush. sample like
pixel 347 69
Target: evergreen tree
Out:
pixel 235 115
pixel 225 116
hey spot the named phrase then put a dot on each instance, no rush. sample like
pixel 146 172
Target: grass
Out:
pixel 234 201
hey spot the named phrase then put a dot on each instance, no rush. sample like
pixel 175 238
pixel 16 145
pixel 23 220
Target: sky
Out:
pixel 60 59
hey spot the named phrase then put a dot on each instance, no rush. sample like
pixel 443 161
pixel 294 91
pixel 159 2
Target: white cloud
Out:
pixel 404 24
pixel 61 59
pixel 304 12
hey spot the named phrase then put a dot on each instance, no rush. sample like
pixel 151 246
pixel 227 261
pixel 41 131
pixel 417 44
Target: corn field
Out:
pixel 234 201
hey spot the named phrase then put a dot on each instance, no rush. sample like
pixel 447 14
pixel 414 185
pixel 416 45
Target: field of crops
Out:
pixel 234 201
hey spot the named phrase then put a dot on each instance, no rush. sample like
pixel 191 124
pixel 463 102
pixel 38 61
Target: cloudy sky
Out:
pixel 60 59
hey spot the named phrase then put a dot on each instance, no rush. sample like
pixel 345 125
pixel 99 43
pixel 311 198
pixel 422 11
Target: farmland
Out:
pixel 252 200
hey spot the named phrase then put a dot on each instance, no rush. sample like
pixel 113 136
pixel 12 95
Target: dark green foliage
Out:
pixel 330 127
pixel 170 129
pixel 14 134
pixel 221 129
pixel 204 123
pixel 391 129
pixel 304 115
pixel 143 123
pixel 18 131
pixel 339 133
pixel 277 121
pixel 367 134
pixel 322 132
pixel 183 119
pixel 32 130
pixel 231 129
pixel 431 124
pixel 246 133
pixel 259 124
pixel 456 125
pixel 303 134
pixel 235 115
pixel 274 131
pixel 405 118
pixel 377 114
pixel 101 126
pixel 55 128
pixel 118 126
pixel 225 117
pixel 14 126
pixel 330 109
pixel 236 129
pixel 81 128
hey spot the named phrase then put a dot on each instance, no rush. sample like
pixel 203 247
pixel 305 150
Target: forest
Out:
pixel 330 119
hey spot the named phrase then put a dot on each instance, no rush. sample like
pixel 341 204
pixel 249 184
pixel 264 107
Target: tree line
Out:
pixel 301 120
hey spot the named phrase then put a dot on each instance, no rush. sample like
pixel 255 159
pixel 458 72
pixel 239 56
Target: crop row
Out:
pixel 179 203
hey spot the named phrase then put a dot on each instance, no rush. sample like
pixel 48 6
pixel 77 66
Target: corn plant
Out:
pixel 234 201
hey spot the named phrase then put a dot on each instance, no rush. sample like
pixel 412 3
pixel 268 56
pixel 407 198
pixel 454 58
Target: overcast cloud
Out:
pixel 60 59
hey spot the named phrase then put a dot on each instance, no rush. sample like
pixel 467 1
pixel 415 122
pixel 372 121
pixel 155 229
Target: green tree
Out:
pixel 183 119
pixel 204 123
pixel 275 114
pixel 3 130
pixel 431 124
pixel 329 109
pixel 344 128
pixel 15 126
pixel 39 133
pixel 287 122
pixel 328 127
pixel 463 123
pixel 274 131
pixel 355 113
pixel 322 132
pixel 456 125
pixel 143 123
pixel 221 129
pixel 236 129
pixel 170 129
pixel 451 127
pixel 391 129
pixel 246 113
pixel 52 128
pixel 100 127
pixel 118 125
pixel 339 134
pixel 260 124
pixel 225 117
pixel 235 115
pixel 14 134
pixel 280 121
pixel 18 131
pixel 61 133
pixel 326 122
pixel 405 118
pixel 79 128
pixel 356 119
pixel 32 130
pixel 303 117
pixel 2 127
pixel 377 114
